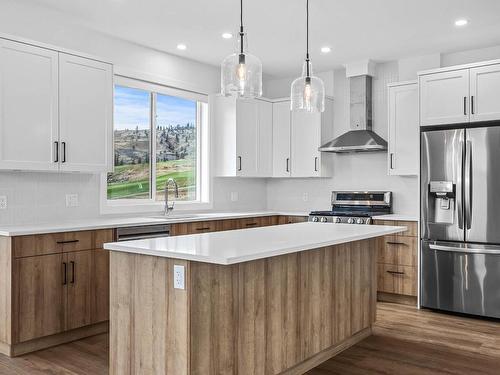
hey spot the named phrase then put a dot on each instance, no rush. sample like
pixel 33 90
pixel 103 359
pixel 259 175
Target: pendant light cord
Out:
pixel 241 27
pixel 307 38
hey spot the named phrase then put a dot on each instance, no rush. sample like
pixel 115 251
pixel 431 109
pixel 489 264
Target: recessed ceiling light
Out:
pixel 227 35
pixel 326 49
pixel 461 22
pixel 181 46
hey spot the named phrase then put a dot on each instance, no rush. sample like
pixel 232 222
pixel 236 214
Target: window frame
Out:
pixel 203 181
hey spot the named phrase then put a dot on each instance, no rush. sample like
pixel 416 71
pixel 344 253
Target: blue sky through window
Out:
pixel 132 109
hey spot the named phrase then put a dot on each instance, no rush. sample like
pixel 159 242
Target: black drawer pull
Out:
pixel 251 224
pixel 64 271
pixel 396 243
pixel 203 228
pixel 68 241
pixel 72 272
pixel 396 272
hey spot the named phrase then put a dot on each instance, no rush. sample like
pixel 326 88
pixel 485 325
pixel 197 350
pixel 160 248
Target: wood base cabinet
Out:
pixel 51 286
pixel 397 275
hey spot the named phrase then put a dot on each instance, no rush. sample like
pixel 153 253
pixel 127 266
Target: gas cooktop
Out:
pixel 353 207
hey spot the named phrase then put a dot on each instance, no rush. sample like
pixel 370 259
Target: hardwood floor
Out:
pixel 405 341
pixel 414 342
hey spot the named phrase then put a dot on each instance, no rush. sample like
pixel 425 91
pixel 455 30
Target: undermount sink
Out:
pixel 176 216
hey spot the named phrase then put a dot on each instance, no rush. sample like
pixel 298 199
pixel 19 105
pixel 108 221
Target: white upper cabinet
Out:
pixel 56 110
pixel 468 93
pixel 242 137
pixel 403 129
pixel 308 132
pixel 86 114
pixel 485 93
pixel 281 139
pixel 444 98
pixel 306 138
pixel 28 107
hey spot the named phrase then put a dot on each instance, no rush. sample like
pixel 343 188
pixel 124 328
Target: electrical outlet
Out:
pixel 72 200
pixel 234 196
pixel 3 202
pixel 179 276
pixel 305 197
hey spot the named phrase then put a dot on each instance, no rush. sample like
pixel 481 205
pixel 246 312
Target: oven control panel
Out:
pixel 340 219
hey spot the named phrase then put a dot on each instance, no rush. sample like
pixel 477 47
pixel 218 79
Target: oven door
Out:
pixel 460 277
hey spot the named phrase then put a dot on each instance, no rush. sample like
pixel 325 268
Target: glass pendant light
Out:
pixel 241 72
pixel 308 91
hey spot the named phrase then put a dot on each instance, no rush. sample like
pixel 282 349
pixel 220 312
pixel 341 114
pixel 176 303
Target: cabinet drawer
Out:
pixel 181 229
pixel 397 279
pixel 411 226
pixel 43 244
pixel 228 224
pixel 253 222
pixel 397 250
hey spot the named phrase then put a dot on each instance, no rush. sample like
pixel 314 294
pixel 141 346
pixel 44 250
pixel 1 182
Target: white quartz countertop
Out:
pixel 397 217
pixel 120 222
pixel 237 246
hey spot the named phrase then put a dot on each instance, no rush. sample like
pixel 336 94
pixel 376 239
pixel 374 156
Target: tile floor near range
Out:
pixel 404 341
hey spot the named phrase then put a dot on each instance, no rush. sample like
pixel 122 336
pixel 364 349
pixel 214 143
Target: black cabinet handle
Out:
pixel 316 164
pixel 396 272
pixel 72 272
pixel 288 164
pixel 392 160
pixel 251 224
pixel 63 152
pixel 203 228
pixel 465 105
pixel 239 163
pixel 396 243
pixel 65 273
pixel 56 144
pixel 68 241
pixel 472 104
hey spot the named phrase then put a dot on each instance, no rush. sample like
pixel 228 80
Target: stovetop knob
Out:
pixel 323 219
pixel 360 221
pixel 315 219
pixel 350 220
pixel 337 220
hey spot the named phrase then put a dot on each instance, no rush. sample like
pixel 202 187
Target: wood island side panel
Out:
pixel 283 314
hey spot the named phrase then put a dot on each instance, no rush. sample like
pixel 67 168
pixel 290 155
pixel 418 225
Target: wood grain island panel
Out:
pixel 283 314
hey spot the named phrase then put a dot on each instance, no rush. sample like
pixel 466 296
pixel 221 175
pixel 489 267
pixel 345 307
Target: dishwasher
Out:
pixel 142 232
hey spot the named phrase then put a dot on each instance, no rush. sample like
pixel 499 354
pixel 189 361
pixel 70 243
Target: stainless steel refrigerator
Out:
pixel 460 220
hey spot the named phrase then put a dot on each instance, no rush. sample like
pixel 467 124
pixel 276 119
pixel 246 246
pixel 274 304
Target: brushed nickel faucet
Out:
pixel 169 206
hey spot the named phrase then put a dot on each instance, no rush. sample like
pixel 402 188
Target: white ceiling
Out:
pixel 355 29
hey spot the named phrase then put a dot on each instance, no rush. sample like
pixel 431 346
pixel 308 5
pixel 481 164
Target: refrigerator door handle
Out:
pixel 460 212
pixel 468 185
pixel 492 250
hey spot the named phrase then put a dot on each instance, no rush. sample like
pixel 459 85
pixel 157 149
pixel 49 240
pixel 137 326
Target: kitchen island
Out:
pixel 257 301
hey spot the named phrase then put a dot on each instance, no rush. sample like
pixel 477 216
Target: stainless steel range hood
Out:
pixel 361 138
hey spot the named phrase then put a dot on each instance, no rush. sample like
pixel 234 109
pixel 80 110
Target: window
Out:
pixel 158 135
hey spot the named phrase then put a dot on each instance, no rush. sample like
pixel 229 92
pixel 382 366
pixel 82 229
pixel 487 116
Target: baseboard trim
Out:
pixel 328 353
pixel 397 298
pixel 15 350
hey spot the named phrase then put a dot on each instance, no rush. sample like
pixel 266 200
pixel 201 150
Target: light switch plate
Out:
pixel 305 197
pixel 72 200
pixel 179 277
pixel 3 202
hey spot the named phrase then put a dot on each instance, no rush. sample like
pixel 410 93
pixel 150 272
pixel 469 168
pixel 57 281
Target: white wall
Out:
pixel 38 197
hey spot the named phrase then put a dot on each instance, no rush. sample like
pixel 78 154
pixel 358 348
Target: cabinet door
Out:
pixel 306 138
pixel 28 107
pixel 485 93
pixel 403 130
pixel 246 137
pixel 88 288
pixel 281 139
pixel 39 296
pixel 265 138
pixel 86 108
pixel 444 98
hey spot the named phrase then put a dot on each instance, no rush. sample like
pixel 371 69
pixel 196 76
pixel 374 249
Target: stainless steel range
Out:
pixel 355 207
